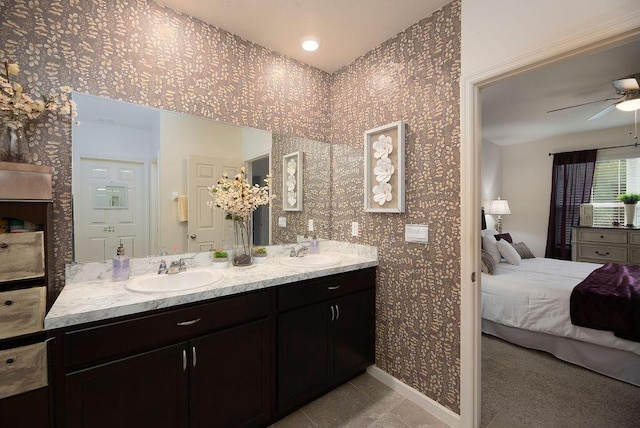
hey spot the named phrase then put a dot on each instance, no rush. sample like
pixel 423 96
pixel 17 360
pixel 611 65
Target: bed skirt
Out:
pixel 615 363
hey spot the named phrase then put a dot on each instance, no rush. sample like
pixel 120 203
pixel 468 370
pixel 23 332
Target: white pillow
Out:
pixel 508 252
pixel 488 232
pixel 490 245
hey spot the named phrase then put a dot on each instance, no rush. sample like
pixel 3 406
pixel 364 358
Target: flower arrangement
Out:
pixel 17 107
pixel 239 199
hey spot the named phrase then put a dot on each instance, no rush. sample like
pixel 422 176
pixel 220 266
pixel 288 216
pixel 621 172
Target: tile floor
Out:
pixel 362 402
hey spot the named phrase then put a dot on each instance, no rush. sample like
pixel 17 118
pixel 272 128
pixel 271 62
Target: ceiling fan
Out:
pixel 628 99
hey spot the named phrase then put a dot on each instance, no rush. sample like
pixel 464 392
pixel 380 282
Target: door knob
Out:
pixel 193 236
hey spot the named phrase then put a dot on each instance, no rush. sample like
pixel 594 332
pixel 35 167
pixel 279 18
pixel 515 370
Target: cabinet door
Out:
pixel 28 410
pixel 146 390
pixel 353 332
pixel 231 377
pixel 303 354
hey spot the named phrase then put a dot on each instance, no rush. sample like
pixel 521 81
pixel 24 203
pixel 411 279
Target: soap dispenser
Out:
pixel 314 248
pixel 120 265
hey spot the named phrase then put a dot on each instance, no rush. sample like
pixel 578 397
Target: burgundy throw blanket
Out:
pixel 609 299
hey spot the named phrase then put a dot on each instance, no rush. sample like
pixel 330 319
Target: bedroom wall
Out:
pixel 526 179
pixel 491 179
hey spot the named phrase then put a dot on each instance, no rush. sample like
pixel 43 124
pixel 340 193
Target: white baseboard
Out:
pixel 436 409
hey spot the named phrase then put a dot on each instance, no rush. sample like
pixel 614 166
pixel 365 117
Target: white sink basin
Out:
pixel 167 283
pixel 310 261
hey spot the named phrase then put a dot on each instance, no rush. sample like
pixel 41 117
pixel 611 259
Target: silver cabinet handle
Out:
pixel 333 314
pixel 335 287
pixel 337 312
pixel 184 360
pixel 193 351
pixel 192 322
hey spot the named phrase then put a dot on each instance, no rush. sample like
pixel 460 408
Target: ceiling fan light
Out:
pixel 631 103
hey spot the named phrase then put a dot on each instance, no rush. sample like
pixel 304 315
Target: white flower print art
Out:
pixel 292 182
pixel 384 168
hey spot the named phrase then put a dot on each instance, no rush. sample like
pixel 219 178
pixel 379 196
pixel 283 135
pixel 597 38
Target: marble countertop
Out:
pixel 90 294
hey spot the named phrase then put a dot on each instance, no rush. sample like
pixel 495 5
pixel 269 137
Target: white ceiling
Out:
pixel 514 109
pixel 347 29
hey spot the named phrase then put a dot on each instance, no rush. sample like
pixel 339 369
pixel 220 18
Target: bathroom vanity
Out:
pixel 241 353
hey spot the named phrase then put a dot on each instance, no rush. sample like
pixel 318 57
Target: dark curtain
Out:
pixel 570 186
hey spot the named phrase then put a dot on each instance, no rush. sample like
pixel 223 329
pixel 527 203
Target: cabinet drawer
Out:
pixel 317 290
pixel 608 236
pixel 22 255
pixel 23 369
pixel 603 252
pixel 634 238
pixel 634 255
pixel 22 311
pixel 118 339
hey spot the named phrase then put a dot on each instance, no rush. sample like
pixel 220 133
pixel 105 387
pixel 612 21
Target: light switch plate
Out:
pixel 282 221
pixel 418 233
pixel 354 228
pixel 310 225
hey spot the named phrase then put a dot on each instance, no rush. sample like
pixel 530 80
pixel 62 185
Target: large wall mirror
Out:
pixel 140 176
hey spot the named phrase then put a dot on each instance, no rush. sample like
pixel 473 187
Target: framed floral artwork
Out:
pixel 292 182
pixel 384 169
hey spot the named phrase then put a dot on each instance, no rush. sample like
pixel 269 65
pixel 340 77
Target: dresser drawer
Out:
pixel 22 311
pixel 602 252
pixel 23 369
pixel 317 290
pixel 607 236
pixel 22 255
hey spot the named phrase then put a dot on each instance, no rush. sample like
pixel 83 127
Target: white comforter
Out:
pixel 535 296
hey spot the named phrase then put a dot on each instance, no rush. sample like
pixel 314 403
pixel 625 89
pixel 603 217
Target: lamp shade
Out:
pixel 500 207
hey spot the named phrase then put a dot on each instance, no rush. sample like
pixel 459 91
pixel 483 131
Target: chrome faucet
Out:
pixel 174 267
pixel 300 252
pixel 162 268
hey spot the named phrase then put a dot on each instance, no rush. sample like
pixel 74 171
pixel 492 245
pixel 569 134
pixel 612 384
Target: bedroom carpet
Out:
pixel 527 388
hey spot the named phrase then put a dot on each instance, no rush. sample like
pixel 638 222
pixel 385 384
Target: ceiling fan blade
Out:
pixel 603 112
pixel 584 104
pixel 628 84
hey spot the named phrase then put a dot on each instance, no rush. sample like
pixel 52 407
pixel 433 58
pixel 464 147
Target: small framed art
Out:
pixel 384 168
pixel 292 182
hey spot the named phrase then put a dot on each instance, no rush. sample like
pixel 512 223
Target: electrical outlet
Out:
pixel 354 228
pixel 310 225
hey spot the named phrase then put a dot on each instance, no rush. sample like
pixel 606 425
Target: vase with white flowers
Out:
pixel 239 200
pixel 17 108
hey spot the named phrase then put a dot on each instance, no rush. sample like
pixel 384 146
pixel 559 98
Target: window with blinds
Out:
pixel 611 178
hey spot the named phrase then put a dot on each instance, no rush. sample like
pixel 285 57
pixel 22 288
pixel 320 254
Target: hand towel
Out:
pixel 183 208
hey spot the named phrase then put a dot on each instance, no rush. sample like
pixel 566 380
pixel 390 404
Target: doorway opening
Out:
pixel 261 216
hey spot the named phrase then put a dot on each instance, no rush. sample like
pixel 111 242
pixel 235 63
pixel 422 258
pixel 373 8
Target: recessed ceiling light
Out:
pixel 310 44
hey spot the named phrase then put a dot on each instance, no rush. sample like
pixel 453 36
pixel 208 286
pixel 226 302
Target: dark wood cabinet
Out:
pixel 216 369
pixel 237 361
pixel 146 390
pixel 231 377
pixel 324 344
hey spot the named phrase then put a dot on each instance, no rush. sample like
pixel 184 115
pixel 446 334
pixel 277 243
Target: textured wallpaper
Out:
pixel 316 174
pixel 412 77
pixel 140 52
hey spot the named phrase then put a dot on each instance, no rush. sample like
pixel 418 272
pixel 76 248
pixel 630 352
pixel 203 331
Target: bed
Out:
pixel 528 304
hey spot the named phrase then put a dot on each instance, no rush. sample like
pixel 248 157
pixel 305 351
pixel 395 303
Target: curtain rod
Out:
pixel 601 148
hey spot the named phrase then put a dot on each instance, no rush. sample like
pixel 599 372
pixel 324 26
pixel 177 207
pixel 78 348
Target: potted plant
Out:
pixel 259 254
pixel 629 200
pixel 220 259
